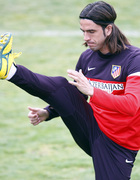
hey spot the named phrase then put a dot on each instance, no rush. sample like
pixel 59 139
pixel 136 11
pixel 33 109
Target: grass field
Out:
pixel 47 151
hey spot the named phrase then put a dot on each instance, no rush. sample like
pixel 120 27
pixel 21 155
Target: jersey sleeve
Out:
pixel 127 104
pixel 52 112
pixel 134 64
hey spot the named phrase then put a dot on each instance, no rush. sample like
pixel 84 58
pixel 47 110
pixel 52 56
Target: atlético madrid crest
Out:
pixel 115 71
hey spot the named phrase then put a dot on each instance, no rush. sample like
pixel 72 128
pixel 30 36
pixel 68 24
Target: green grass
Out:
pixel 47 151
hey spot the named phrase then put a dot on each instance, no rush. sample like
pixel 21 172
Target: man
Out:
pixel 108 127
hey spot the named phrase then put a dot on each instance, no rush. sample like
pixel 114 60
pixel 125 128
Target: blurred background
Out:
pixel 47 33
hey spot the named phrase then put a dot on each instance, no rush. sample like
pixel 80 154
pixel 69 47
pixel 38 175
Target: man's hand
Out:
pixel 37 115
pixel 81 82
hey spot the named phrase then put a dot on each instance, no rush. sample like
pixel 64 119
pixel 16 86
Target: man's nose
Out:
pixel 86 36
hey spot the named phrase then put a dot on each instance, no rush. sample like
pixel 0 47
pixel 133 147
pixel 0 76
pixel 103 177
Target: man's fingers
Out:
pixel 34 110
pixel 74 74
pixel 35 122
pixel 80 71
pixel 73 83
pixel 36 115
pixel 31 115
pixel 73 77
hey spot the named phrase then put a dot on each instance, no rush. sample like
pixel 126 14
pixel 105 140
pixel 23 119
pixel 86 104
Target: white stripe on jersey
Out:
pixel 135 74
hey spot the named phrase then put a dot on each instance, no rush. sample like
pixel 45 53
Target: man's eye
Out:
pixel 91 32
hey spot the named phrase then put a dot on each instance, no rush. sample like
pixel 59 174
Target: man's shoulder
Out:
pixel 133 49
pixel 87 53
pixel 130 53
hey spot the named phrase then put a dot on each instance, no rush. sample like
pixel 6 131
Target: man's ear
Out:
pixel 108 30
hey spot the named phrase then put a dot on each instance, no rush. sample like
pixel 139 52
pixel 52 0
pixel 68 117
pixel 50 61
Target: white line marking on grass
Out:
pixel 61 33
pixel 49 33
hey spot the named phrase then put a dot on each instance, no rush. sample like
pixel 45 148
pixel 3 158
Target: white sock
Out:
pixel 12 72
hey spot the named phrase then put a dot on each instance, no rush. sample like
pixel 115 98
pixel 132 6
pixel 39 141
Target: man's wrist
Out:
pixel 91 92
